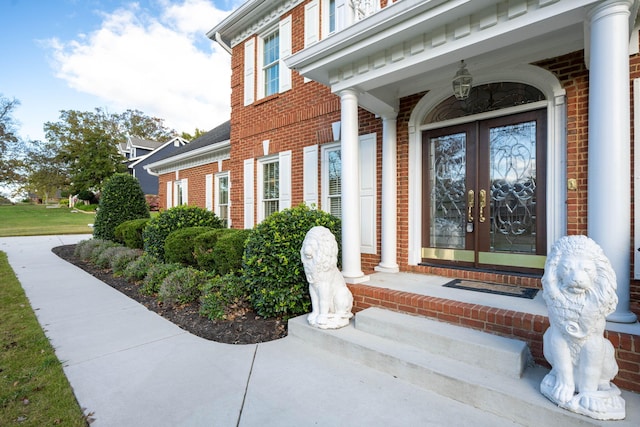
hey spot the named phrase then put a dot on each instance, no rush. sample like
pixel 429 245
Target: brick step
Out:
pixel 452 369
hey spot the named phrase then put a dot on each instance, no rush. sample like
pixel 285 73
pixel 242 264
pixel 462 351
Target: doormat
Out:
pixel 493 288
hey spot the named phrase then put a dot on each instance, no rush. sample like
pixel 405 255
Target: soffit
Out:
pixel 411 44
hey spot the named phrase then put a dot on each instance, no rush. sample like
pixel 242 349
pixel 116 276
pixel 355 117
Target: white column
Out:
pixel 609 176
pixel 350 153
pixel 388 258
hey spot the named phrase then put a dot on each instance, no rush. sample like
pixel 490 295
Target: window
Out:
pixel 333 164
pixel 270 187
pixel 222 198
pixel 180 193
pixel 332 15
pixel 271 62
pixel 265 72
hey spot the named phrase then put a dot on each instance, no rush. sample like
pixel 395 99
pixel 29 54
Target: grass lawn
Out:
pixel 38 220
pixel 33 388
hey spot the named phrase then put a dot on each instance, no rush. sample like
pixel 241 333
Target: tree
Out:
pixel 88 141
pixel 46 174
pixel 10 159
pixel 196 134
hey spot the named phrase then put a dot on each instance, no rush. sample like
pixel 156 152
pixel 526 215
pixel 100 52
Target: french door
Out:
pixel 484 193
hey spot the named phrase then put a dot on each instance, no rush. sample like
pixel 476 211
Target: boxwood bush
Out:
pixel 273 271
pixel 121 200
pixel 130 233
pixel 157 230
pixel 220 251
pixel 179 245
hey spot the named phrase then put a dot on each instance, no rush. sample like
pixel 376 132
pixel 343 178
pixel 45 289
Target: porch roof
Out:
pixel 411 45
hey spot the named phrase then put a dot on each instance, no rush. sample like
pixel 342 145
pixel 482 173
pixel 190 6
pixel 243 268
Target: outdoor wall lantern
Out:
pixel 462 82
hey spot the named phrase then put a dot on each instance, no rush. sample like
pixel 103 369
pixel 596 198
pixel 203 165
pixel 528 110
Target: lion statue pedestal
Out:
pixel 579 289
pixel 331 300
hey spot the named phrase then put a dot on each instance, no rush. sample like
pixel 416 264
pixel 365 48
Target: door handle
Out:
pixel 470 204
pixel 483 204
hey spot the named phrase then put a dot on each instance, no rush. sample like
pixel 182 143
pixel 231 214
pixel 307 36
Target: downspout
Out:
pixel 222 43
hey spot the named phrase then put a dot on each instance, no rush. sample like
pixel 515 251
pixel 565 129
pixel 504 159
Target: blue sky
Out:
pixel 149 55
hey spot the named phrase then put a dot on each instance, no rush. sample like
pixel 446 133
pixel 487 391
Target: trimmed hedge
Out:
pixel 178 247
pixel 157 230
pixel 122 199
pixel 220 251
pixel 182 286
pixel 130 233
pixel 273 271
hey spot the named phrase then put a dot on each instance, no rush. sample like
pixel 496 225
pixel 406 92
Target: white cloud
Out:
pixel 161 65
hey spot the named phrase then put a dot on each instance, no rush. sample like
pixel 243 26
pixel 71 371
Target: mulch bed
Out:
pixel 245 327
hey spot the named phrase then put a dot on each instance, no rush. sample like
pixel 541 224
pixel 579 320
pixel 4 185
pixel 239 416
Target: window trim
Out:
pixel 262 89
pixel 325 150
pixel 217 205
pixel 260 184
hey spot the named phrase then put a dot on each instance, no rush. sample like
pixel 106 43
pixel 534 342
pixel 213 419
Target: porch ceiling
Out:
pixel 411 46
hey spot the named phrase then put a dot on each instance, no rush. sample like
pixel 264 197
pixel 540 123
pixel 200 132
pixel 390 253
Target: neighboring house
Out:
pixel 197 173
pixel 137 165
pixel 349 106
pixel 135 148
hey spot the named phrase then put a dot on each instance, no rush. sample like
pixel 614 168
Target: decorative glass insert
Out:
pixel 447 158
pixel 483 98
pixel 271 63
pixel 513 188
pixel 271 187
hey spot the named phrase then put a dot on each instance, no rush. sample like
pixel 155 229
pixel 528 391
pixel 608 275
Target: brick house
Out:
pixel 196 173
pixel 350 106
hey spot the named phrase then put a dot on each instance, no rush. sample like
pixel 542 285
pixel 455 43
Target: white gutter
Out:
pixel 189 154
pixel 221 42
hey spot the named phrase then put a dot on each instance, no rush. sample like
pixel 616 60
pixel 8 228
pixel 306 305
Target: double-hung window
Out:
pixel 271 62
pixel 222 198
pixel 270 187
pixel 333 163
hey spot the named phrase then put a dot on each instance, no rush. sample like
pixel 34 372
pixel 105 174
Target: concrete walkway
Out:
pixel 130 367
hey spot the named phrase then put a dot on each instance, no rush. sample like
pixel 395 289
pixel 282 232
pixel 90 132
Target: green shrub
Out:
pixel 121 200
pixel 84 248
pixel 137 269
pixel 220 251
pixel 64 202
pixel 123 258
pixel 178 247
pixel 203 246
pixel 228 251
pixel 130 233
pixel 273 271
pixel 156 274
pixel 104 258
pixel 222 294
pixel 86 195
pixel 157 230
pixel 182 286
pixel 86 208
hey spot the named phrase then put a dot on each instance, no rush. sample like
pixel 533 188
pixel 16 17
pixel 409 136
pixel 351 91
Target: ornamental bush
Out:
pixel 121 200
pixel 182 286
pixel 137 269
pixel 130 233
pixel 156 274
pixel 220 251
pixel 222 295
pixel 178 247
pixel 273 271
pixel 157 230
pixel 84 248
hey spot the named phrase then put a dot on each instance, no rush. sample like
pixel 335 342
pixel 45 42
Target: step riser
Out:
pixel 505 404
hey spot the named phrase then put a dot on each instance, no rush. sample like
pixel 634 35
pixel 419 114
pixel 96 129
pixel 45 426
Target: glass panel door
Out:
pixel 484 192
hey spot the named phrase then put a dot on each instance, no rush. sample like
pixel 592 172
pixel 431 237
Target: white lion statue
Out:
pixel 331 300
pixel 579 287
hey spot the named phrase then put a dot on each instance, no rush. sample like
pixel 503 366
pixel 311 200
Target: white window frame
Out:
pixel 218 205
pixel 368 196
pixel 262 67
pixel 254 63
pixel 260 185
pixel 181 192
